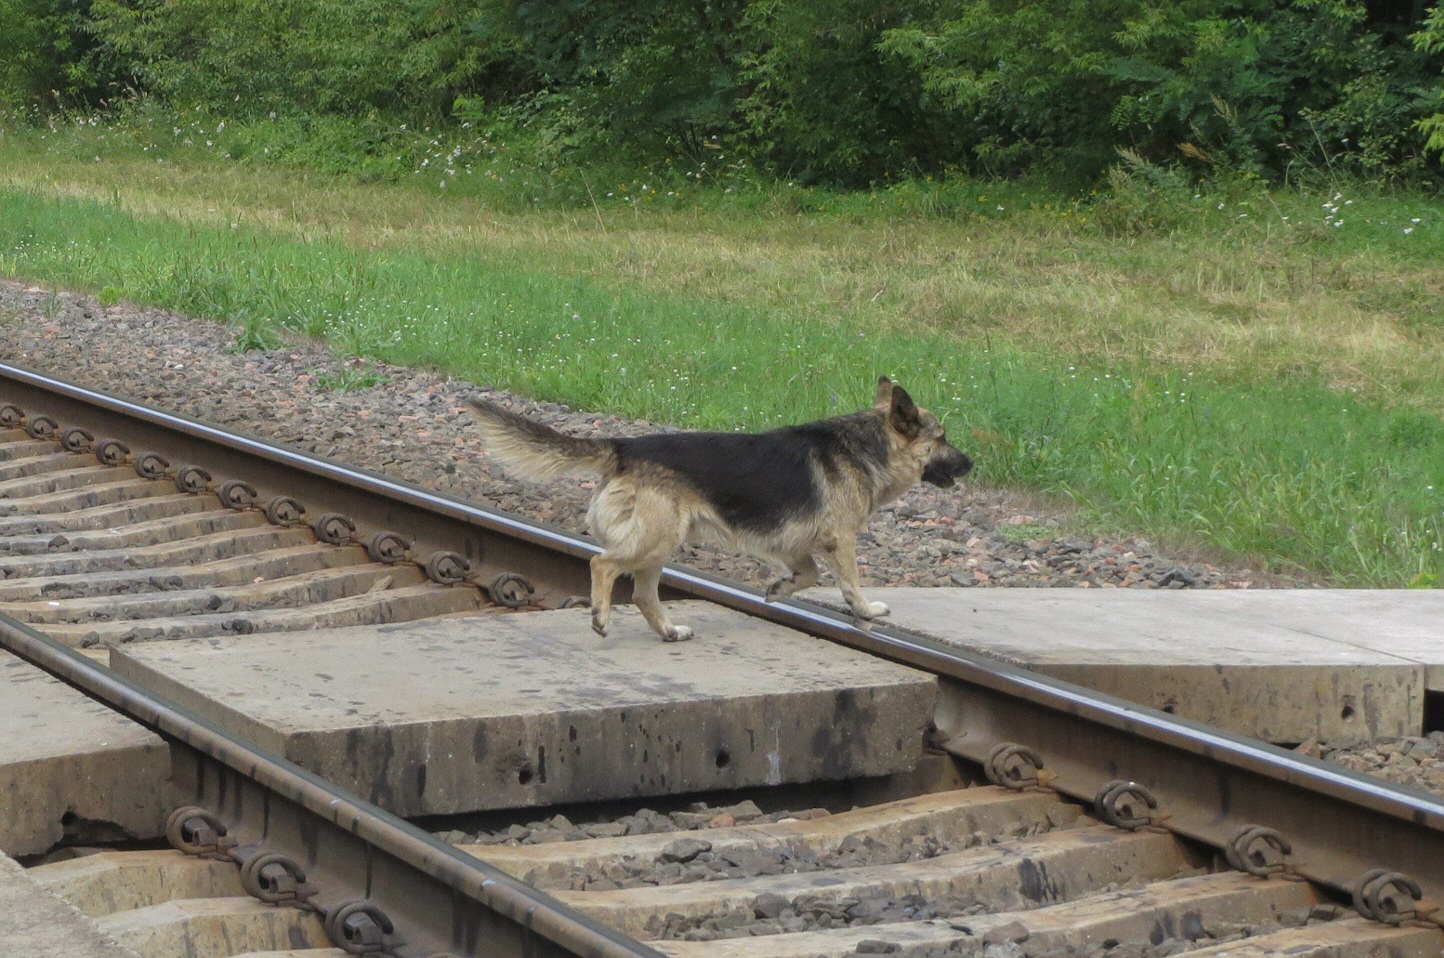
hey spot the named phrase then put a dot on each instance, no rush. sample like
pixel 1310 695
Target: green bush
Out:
pixel 848 93
pixel 1248 85
pixel 1430 39
pixel 50 58
pixel 251 57
pixel 825 103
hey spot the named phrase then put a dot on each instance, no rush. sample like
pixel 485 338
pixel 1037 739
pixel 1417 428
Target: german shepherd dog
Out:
pixel 784 495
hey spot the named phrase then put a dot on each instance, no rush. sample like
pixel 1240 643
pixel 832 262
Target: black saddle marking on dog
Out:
pixel 757 481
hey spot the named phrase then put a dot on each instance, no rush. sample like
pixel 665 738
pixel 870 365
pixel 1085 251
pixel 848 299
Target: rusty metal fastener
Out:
pixel 11 415
pixel 151 465
pixel 1386 896
pixel 333 528
pixel 275 878
pixel 111 452
pixel 510 590
pixel 1257 850
pixel 358 927
pixel 446 568
pixel 75 439
pixel 1013 766
pixel 283 511
pixel 1117 803
pixel 192 479
pixel 575 602
pixel 196 831
pixel 387 547
pixel 41 427
pixel 237 493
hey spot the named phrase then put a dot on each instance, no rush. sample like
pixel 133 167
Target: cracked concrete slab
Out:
pixel 1283 665
pixel 71 768
pixel 504 711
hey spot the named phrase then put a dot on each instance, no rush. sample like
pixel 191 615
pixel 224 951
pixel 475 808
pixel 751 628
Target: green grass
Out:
pixel 1229 369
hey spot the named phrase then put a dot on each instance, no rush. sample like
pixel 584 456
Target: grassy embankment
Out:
pixel 1262 373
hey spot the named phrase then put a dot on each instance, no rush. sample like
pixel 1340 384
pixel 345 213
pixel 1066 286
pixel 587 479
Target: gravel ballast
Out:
pixel 412 424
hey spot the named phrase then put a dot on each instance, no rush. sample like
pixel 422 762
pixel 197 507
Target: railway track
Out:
pixel 1026 817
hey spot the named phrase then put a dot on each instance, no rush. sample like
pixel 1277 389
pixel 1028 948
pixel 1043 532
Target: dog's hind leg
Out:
pixel 644 593
pixel 604 577
pixel 639 528
pixel 804 573
pixel 841 558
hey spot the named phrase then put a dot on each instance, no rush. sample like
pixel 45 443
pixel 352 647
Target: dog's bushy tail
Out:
pixel 536 451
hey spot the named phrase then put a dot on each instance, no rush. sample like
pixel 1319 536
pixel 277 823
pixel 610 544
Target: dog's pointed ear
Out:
pixel 903 412
pixel 884 394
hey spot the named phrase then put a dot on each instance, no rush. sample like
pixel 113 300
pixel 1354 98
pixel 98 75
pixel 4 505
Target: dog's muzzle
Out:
pixel 942 471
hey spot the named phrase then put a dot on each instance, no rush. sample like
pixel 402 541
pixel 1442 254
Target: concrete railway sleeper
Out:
pixel 981 871
pixel 337 597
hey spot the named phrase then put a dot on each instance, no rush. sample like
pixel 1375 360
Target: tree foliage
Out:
pixel 50 57
pixel 257 56
pixel 1253 85
pixel 845 92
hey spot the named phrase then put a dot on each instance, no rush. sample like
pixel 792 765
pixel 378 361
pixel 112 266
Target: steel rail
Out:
pixel 443 900
pixel 487 538
pixel 1210 785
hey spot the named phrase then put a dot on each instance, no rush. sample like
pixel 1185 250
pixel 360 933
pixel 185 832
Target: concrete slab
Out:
pixel 466 714
pixel 1283 665
pixel 40 924
pixel 69 765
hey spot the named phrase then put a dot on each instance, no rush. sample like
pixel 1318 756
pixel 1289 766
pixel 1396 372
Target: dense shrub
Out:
pixel 50 58
pixel 850 92
pixel 1251 85
pixel 1430 38
pixel 824 102
pixel 247 57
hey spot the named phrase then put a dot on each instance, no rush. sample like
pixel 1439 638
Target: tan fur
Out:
pixel 642 511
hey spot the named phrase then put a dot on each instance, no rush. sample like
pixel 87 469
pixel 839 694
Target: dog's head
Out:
pixel 927 443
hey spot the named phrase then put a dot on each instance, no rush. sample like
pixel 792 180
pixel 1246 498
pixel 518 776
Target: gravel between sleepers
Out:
pixel 412 424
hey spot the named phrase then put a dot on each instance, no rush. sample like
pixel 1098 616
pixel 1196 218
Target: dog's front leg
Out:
pixel 841 558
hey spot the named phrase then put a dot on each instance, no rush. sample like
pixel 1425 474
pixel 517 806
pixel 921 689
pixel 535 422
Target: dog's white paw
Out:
pixel 677 633
pixel 871 610
pixel 599 627
pixel 780 589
